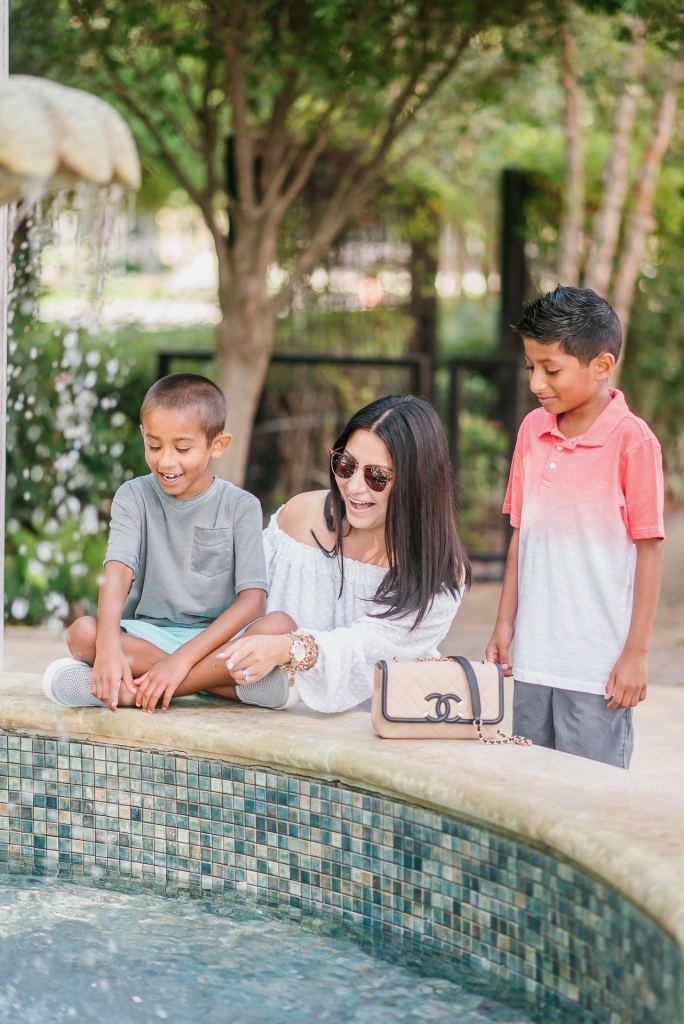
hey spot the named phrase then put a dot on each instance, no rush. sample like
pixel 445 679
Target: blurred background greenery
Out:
pixel 75 391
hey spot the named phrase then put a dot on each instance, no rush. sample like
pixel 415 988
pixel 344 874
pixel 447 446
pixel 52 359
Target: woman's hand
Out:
pixel 255 655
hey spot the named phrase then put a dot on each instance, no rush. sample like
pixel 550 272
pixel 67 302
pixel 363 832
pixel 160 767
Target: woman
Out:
pixel 372 568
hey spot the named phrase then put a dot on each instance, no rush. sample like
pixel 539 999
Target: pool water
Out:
pixel 74 952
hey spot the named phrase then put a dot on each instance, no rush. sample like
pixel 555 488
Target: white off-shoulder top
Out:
pixel 305 583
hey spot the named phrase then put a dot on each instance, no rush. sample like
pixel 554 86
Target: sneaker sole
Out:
pixel 273 691
pixel 67 682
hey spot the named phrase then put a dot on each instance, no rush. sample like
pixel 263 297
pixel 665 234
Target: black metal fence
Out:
pixel 419 365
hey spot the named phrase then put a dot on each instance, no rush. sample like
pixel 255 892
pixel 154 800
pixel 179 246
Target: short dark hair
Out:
pixel 425 554
pixel 190 393
pixel 583 323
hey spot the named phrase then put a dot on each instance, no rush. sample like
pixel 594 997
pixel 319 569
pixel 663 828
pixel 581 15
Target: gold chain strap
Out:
pixel 500 739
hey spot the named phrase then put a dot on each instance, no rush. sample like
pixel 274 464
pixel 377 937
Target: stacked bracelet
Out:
pixel 303 655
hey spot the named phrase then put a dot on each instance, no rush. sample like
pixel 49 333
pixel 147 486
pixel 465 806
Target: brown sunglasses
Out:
pixel 344 466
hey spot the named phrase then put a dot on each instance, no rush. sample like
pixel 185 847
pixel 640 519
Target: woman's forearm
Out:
pixel 343 674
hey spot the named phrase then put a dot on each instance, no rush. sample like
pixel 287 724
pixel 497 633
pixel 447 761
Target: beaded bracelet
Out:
pixel 303 655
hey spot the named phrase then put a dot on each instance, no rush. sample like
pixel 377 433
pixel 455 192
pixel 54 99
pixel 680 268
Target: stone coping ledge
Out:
pixel 627 829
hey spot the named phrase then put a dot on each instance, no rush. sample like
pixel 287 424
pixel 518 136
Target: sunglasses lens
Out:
pixel 343 466
pixel 375 478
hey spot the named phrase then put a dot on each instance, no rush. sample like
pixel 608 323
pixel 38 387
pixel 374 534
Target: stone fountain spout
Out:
pixel 54 137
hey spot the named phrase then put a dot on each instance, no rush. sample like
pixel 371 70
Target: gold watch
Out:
pixel 303 655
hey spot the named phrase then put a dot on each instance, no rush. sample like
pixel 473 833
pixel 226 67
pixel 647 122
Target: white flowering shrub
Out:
pixel 69 446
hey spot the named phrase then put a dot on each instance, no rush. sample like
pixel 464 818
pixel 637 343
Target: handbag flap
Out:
pixel 439 691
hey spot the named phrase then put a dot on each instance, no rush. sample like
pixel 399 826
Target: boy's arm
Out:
pixel 628 681
pixel 504 629
pixel 110 667
pixel 167 675
pixel 250 582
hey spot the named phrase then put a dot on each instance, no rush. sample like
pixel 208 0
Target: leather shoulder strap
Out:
pixel 473 685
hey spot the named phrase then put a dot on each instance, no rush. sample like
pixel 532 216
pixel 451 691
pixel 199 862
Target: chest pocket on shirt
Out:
pixel 212 550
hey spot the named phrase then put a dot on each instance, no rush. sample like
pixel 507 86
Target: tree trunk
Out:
pixel 244 350
pixel 641 220
pixel 615 176
pixel 573 218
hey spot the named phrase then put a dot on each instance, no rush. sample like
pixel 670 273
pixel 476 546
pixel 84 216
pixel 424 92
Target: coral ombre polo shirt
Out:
pixel 580 504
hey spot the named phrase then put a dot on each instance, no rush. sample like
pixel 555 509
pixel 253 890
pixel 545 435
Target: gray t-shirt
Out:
pixel 190 558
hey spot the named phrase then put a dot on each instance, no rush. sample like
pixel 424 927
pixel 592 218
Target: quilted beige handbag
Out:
pixel 446 698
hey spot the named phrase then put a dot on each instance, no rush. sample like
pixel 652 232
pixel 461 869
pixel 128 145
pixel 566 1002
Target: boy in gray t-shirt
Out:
pixel 184 571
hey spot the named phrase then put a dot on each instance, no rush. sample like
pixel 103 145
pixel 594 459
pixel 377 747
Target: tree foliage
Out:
pixel 287 78
pixel 292 81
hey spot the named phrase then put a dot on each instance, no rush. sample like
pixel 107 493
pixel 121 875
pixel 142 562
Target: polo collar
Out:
pixel 600 430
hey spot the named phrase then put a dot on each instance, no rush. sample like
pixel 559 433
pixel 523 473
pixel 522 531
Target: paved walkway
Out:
pixel 659 721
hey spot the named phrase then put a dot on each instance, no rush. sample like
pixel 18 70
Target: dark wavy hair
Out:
pixel 583 323
pixel 424 551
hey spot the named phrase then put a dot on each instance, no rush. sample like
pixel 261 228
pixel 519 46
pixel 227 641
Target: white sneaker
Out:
pixel 273 691
pixel 67 682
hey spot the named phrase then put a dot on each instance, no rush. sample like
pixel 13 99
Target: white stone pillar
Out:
pixel 4 72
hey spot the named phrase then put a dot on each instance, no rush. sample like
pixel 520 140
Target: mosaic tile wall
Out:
pixel 540 926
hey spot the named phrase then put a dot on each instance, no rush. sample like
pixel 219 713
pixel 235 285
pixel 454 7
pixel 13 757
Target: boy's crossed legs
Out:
pixel 148 663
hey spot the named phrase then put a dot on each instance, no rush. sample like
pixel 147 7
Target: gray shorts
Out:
pixel 577 723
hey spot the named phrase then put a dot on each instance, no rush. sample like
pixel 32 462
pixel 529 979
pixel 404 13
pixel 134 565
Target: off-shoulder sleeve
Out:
pixel 343 675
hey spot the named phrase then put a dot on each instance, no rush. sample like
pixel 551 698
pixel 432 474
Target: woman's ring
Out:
pixel 245 675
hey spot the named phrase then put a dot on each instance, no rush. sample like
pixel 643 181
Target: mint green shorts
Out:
pixel 167 638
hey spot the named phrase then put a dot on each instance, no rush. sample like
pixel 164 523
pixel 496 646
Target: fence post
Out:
pixel 425 377
pixel 514 283
pixel 455 400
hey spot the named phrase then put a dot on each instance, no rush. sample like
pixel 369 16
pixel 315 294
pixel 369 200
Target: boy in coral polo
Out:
pixel 585 497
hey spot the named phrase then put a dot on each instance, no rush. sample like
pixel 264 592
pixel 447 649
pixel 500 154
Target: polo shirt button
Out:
pixel 552 465
pixel 559 447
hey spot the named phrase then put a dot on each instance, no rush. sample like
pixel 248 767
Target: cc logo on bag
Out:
pixel 443 707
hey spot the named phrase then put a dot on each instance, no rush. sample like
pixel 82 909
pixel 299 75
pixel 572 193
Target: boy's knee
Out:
pixel 80 637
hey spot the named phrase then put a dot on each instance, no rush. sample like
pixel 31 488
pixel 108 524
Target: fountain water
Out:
pixel 55 140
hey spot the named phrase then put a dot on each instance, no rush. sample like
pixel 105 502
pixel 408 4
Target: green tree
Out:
pixel 612 262
pixel 292 81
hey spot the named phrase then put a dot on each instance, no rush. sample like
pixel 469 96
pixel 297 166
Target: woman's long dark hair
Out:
pixel 423 548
